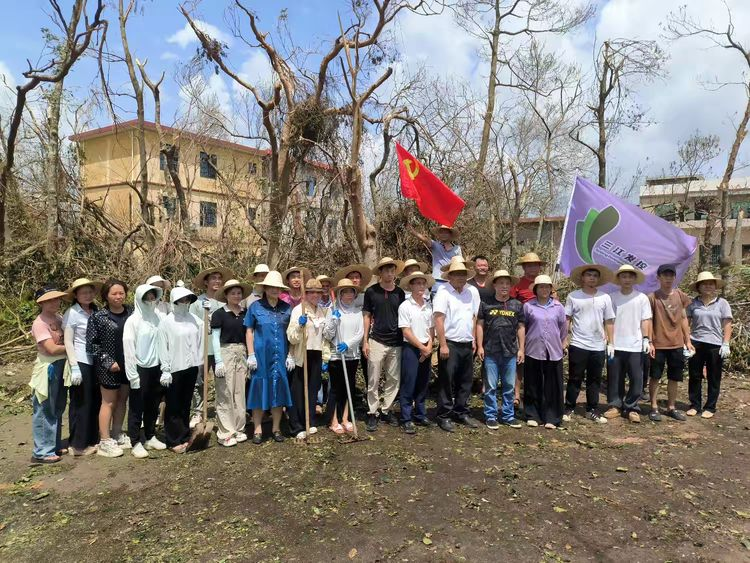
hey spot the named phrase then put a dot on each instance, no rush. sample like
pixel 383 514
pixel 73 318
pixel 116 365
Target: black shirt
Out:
pixel 501 320
pixel 487 292
pixel 119 320
pixel 231 325
pixel 383 308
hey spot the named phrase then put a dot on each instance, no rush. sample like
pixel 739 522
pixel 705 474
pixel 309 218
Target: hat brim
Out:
pixel 398 263
pixel 640 277
pixel 533 285
pixel 435 230
pixel 50 295
pixel 513 279
pixel 468 263
pixel 338 290
pixel 469 273
pixel 422 266
pixel 73 288
pixel 306 273
pixel 540 262
pixel 605 275
pixel 719 283
pixel 341 273
pixel 406 281
pixel 246 289
pixel 200 279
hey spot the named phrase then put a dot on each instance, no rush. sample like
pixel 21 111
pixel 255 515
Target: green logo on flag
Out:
pixel 592 228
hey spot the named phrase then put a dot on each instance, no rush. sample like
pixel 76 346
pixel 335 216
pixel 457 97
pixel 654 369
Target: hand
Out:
pixel 290 363
pixel 444 352
pixel 646 345
pixel 366 349
pixel 342 347
pixel 206 304
pixel 691 348
pixel 520 357
pixel 136 383
pixel 610 351
pixel 324 367
pixel 687 352
pixel 219 370
pixel 724 351
pixel 303 320
pixel 473 346
pixel 165 379
pixel 114 368
pixel 426 350
pixel 480 353
pixel 651 350
pixel 336 314
pixel 76 378
pixel 252 362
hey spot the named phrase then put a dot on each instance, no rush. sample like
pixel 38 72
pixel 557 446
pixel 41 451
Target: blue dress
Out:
pixel 269 386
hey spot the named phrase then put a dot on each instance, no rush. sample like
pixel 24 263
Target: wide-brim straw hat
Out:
pixel 306 273
pixel 179 293
pixel 422 266
pixel 323 278
pixel 200 279
pixel 313 285
pixel 605 274
pixel 246 288
pixel 273 279
pixel 406 280
pixel 342 273
pixel 82 282
pixel 530 258
pixel 457 266
pixel 346 283
pixel 261 269
pixel 707 276
pixel 457 259
pixel 436 230
pixel 388 261
pixel 504 274
pixel 50 293
pixel 640 277
pixel 543 279
pixel 153 280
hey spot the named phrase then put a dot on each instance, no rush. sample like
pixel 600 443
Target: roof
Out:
pixel 679 186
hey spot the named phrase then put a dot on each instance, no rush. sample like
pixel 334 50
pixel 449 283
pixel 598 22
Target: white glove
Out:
pixel 76 378
pixel 646 346
pixel 687 353
pixel 219 370
pixel 252 362
pixel 136 383
pixel 610 351
pixel 724 351
pixel 290 363
pixel 165 379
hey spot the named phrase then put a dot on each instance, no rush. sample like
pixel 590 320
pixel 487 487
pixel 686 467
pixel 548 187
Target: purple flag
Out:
pixel 603 229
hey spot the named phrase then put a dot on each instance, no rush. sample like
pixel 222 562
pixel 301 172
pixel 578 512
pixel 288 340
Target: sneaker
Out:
pixel 372 423
pixel 228 442
pixel 109 448
pixel 301 435
pixel 155 444
pixel 195 421
pixel 426 422
pixel 278 436
pixel 84 452
pixel 240 437
pixel 566 415
pixel 257 439
pixel 139 451
pixel 513 423
pixel 691 412
pixel 614 412
pixel 654 416
pixel 676 415
pixel 707 414
pixel 313 430
pixel 596 417
pixel 446 425
pixel 550 426
pixel 532 423
pixel 409 427
pixel 466 420
pixel 492 424
pixel 123 440
pixel 634 417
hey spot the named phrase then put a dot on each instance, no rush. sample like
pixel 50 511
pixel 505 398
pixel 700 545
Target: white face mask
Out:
pixel 149 305
pixel 181 308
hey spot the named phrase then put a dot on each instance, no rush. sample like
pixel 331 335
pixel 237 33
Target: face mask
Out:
pixel 149 305
pixel 181 308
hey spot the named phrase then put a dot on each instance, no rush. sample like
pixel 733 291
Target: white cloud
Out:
pixel 186 35
pixel 210 92
pixel 7 89
pixel 168 56
pixel 255 70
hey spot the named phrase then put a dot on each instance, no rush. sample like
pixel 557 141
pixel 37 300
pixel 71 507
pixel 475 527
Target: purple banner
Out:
pixel 600 228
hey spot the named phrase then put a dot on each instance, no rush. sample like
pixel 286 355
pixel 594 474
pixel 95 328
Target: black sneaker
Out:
pixel 372 423
pixel 466 420
pixel 676 415
pixel 278 436
pixel 513 423
pixel 257 439
pixel 425 422
pixel 446 425
pixel 409 427
pixel 388 418
pixel 654 416
pixel 492 424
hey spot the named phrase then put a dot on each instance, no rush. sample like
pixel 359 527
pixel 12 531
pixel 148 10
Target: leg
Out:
pixel 314 366
pixel 92 402
pixel 258 421
pixel 224 411
pixel 238 371
pixel 463 379
pixel 118 415
pixel 186 394
pixel 576 367
pixel 135 413
pixel 172 419
pixel 695 376
pixel 615 379
pixel 594 368
pixel 351 371
pixel 533 389
pixel 553 392
pixel 675 367
pixel 446 369
pixel 275 418
pixel 335 404
pixel 374 366
pixel 152 396
pixel 409 367
pixel 296 412
pixel 635 374
pixel 421 389
pixel 109 399
pixel 657 369
pixel 520 372
pixel 714 368
pixel 508 378
pixel 392 369
pixel 77 417
pixel 490 388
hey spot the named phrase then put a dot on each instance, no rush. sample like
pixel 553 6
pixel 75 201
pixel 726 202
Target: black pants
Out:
pixel 625 364
pixel 83 412
pixel 543 390
pixel 296 412
pixel 673 359
pixel 455 376
pixel 143 404
pixel 582 363
pixel 337 397
pixel 706 355
pixel 177 399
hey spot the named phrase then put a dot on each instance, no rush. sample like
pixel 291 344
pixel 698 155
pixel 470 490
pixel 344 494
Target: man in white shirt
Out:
pixel 455 310
pixel 632 327
pixel 591 317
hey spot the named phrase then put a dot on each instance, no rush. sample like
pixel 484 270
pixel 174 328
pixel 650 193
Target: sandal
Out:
pixel 62 451
pixel 181 449
pixel 46 459
pixel 348 426
pixel 338 429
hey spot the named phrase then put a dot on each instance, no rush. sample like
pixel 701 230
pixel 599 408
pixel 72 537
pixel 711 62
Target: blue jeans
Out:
pixel 497 367
pixel 415 381
pixel 46 420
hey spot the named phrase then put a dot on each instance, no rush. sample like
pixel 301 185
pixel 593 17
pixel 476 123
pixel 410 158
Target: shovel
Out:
pixel 201 435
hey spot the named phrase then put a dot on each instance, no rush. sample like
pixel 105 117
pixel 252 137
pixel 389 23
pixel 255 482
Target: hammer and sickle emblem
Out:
pixel 412 172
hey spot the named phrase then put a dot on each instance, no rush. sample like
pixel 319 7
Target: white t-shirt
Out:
pixel 589 313
pixel 417 318
pixel 77 319
pixel 630 310
pixel 460 310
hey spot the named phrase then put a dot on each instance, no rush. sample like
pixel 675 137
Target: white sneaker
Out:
pixel 596 417
pixel 139 451
pixel 567 415
pixel 229 442
pixel 240 437
pixel 123 440
pixel 155 444
pixel 109 448
pixel 301 436
pixel 532 423
pixel 313 430
pixel 195 421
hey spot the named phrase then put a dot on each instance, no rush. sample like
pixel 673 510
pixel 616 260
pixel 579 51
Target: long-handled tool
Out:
pixel 314 439
pixel 201 435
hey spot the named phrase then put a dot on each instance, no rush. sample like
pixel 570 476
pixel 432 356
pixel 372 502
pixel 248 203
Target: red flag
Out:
pixel 434 199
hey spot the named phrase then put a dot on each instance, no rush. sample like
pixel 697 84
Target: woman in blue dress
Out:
pixel 268 356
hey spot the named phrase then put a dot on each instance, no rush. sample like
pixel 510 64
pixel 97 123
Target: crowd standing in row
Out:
pixel 266 339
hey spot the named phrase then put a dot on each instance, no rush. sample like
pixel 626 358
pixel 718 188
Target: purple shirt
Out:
pixel 546 328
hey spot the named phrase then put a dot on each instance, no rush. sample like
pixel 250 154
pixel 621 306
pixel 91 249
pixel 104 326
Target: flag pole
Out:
pixel 556 273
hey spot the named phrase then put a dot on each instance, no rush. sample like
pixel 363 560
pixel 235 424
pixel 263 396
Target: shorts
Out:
pixel 675 361
pixel 113 380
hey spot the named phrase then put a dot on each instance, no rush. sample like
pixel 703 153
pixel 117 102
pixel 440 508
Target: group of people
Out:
pixel 264 341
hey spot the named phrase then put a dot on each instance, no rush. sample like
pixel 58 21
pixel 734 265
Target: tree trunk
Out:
pixel 491 89
pixel 601 149
pixel 364 232
pixel 52 165
pixel 737 242
pixel 281 177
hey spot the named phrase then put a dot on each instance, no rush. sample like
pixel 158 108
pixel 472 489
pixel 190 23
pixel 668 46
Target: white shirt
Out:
pixel 349 329
pixel 460 310
pixel 74 324
pixel 416 317
pixel 630 310
pixel 589 313
pixel 180 341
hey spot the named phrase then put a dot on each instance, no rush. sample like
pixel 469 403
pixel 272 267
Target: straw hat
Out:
pixel 81 282
pixel 388 261
pixel 605 274
pixel 345 283
pixel 544 279
pixel 153 280
pixel 179 292
pixel 458 259
pixel 341 273
pixel 246 288
pixel 707 276
pixel 640 277
pixel 48 293
pixel 421 266
pixel 453 230
pixel 313 285
pixel 406 280
pixel 456 267
pixel 504 274
pixel 306 273
pixel 323 278
pixel 273 279
pixel 200 279
pixel 261 269
pixel 530 258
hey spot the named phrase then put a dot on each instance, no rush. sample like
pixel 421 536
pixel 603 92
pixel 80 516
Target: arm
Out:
pixel 726 325
pixel 94 344
pixel 294 330
pixel 128 345
pixel 366 323
pixel 686 333
pixel 521 334
pixel 250 341
pixel 162 342
pixel 422 238
pixel 68 337
pixel 216 338
pixel 609 329
pixel 49 347
pixel 440 329
pixel 356 339
pixel 480 339
pixel 331 327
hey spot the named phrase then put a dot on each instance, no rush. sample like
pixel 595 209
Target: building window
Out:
pixel 175 158
pixel 666 211
pixel 252 168
pixel 744 205
pixel 208 165
pixel 170 206
pixel 252 212
pixel 310 187
pixel 208 214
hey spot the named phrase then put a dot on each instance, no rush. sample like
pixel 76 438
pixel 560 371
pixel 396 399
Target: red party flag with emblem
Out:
pixel 434 199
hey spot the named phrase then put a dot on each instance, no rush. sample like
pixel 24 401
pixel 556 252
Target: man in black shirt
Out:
pixel 481 278
pixel 382 340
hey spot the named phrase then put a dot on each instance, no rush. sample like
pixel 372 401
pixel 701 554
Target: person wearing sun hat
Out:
pixel 591 340
pixel 85 395
pixel 710 318
pixel 47 377
pixel 259 273
pixel 632 329
pixel 382 341
pixel 158 281
pixel 442 247
pixel 294 277
pixel 230 354
pixel 410 266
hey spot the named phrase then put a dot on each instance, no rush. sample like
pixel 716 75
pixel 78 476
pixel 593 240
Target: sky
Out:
pixel 677 105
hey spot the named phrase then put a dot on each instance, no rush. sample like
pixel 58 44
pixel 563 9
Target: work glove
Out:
pixel 219 370
pixel 252 362
pixel 342 347
pixel 136 383
pixel 290 363
pixel 724 351
pixel 165 379
pixel 336 314
pixel 324 367
pixel 76 378
pixel 646 346
pixel 303 320
pixel 610 351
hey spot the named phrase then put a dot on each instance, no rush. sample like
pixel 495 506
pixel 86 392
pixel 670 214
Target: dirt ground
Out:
pixel 620 492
